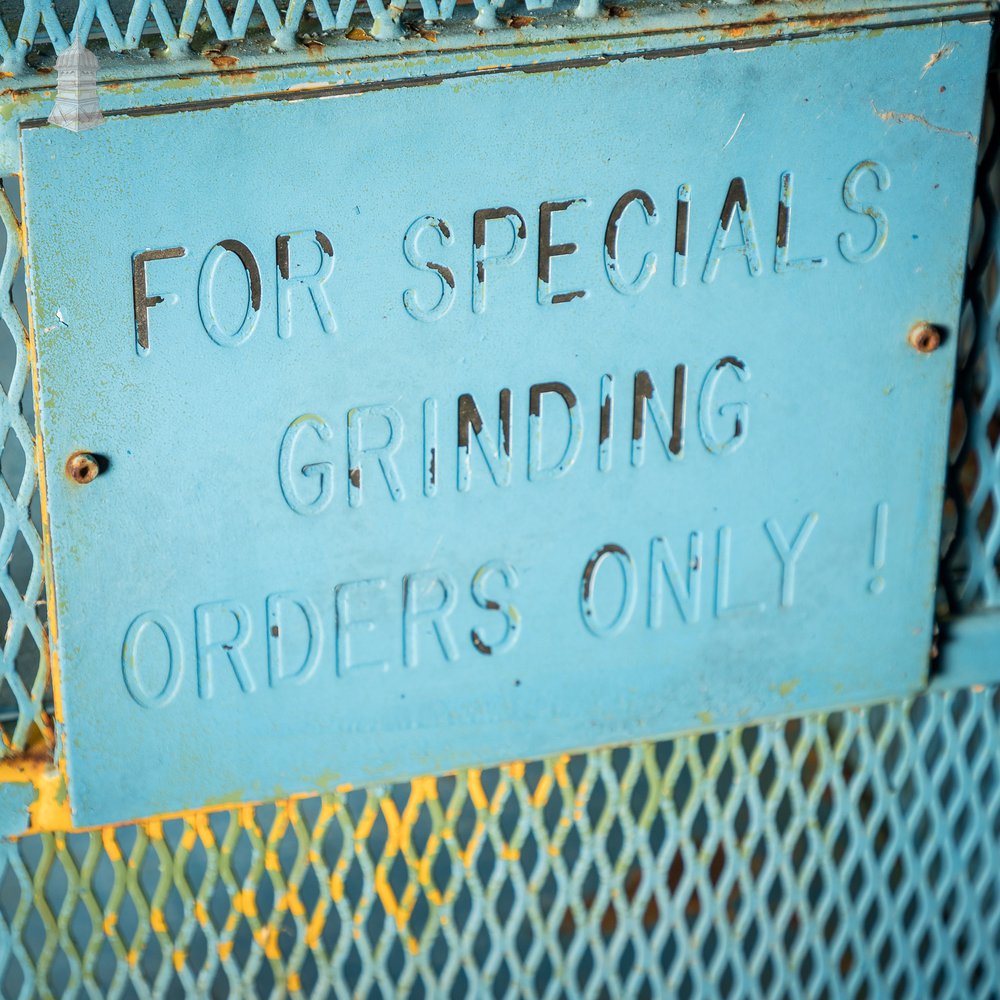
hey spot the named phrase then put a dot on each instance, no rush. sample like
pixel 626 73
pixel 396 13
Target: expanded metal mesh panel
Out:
pixel 24 676
pixel 175 27
pixel 854 854
pixel 971 539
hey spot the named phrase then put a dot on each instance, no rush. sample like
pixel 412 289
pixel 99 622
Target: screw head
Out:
pixel 82 467
pixel 925 337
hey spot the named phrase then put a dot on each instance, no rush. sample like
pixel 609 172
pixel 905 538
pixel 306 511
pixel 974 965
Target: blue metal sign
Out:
pixel 391 428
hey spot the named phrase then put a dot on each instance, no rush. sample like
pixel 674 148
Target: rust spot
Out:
pixel 926 338
pixel 468 415
pixel 430 36
pixel 446 276
pixel 520 21
pixel 676 444
pixel 616 10
pixel 681 238
pixel 224 62
pixel 83 467
pixel 358 35
pixel 605 431
pixel 782 225
pixel 433 468
pixel 250 265
pixel 275 631
pixel 560 388
pixel 643 391
pixel 281 252
pixel 481 646
pixel 736 195
pixel 355 477
pixel 730 360
pixel 505 420
pixel 314 47
pixel 591 567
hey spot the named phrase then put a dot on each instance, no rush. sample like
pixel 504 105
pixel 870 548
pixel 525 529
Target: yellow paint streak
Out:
pixel 200 913
pixel 110 845
pixel 389 902
pixel 294 983
pixel 394 834
pixel 179 958
pixel 156 920
pixel 542 791
pixel 314 929
pixel 560 772
pixel 476 792
pixel 336 888
pixel 245 902
pixel 188 838
pixel 467 856
pixel 414 945
pixel 788 687
pixel 132 958
pixel 508 853
pixel 108 925
pixel 225 949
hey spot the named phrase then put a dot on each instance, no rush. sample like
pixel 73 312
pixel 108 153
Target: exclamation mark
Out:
pixel 877 584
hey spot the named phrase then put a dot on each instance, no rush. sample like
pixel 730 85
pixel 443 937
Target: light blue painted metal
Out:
pixel 297 427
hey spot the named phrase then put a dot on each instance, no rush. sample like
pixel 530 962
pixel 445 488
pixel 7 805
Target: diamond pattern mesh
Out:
pixel 853 854
pixel 173 26
pixel 850 854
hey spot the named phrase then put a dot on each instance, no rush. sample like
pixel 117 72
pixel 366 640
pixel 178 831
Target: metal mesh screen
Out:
pixel 853 854
pixel 846 854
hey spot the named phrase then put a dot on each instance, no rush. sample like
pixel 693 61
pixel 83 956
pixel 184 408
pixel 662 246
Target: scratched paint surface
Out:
pixel 749 529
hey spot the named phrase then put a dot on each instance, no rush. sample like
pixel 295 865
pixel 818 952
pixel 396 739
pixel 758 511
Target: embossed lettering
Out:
pixel 736 205
pixel 605 437
pixel 723 571
pixel 481 590
pixel 357 419
pixel 346 598
pixel 670 431
pixel 547 250
pixel 428 599
pixel 663 566
pixel 574 437
pixel 286 615
pixel 141 299
pixel 612 250
pixel 136 670
pixel 292 276
pixel 498 458
pixel 707 409
pixel 480 257
pixel 853 202
pixel 231 648
pixel 620 615
pixel 290 477
pixel 445 275
pixel 207 279
pixel 789 554
pixel 782 259
pixel 430 447
pixel 682 235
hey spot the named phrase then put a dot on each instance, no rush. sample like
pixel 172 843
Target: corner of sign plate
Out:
pixel 76 107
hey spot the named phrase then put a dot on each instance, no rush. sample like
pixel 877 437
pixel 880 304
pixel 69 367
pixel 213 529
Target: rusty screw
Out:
pixel 82 467
pixel 925 337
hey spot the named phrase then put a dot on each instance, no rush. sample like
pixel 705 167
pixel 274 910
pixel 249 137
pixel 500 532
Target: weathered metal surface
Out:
pixel 400 476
